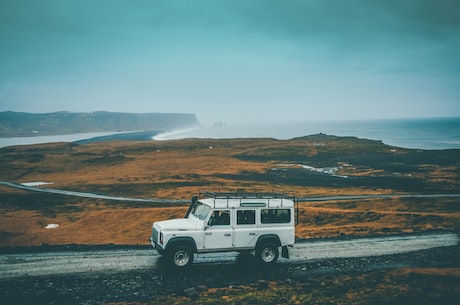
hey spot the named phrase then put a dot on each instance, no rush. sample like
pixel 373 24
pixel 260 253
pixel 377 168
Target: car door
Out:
pixel 245 234
pixel 218 233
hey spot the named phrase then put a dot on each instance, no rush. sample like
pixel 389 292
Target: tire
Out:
pixel 181 256
pixel 267 254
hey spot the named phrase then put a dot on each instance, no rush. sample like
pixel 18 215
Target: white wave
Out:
pixel 53 139
pixel 227 132
pixel 175 134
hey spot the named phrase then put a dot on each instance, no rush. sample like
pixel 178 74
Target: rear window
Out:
pixel 275 216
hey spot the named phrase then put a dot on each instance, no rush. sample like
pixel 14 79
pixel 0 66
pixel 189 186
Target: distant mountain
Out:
pixel 16 124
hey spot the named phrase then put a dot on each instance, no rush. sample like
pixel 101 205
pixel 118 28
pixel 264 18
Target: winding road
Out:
pixel 161 200
pixel 86 195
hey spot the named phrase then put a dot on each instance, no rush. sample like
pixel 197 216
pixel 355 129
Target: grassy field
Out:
pixel 318 165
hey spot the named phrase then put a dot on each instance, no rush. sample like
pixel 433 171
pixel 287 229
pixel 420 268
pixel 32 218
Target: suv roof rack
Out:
pixel 246 195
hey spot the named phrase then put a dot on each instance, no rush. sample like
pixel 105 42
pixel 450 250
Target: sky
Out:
pixel 233 61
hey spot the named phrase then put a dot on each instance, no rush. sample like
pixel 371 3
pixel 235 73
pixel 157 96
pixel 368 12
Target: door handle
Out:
pixel 252 233
pixel 208 233
pixel 227 234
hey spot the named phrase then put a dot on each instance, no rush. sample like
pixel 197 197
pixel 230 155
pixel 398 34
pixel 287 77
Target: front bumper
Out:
pixel 156 246
pixel 152 242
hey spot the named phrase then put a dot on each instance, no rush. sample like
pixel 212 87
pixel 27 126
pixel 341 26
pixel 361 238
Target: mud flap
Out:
pixel 285 252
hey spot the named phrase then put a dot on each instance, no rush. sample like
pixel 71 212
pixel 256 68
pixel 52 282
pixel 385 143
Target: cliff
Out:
pixel 16 124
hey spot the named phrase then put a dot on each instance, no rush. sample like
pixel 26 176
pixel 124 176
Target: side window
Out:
pixel 275 216
pixel 245 217
pixel 220 218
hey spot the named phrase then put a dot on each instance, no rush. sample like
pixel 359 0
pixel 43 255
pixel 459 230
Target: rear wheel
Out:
pixel 181 256
pixel 267 254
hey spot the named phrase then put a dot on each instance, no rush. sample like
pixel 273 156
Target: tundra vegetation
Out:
pixel 312 166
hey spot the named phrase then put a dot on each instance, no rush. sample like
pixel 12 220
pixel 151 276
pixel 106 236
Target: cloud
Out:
pixel 215 57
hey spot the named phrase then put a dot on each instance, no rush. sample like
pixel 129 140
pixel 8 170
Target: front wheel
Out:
pixel 267 254
pixel 181 256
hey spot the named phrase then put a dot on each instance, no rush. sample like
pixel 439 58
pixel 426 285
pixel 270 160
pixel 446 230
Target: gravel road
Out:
pixel 53 263
pixel 162 200
pixel 129 275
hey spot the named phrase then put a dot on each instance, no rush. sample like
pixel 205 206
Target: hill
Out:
pixel 18 124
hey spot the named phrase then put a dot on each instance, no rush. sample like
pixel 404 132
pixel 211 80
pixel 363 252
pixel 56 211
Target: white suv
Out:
pixel 229 222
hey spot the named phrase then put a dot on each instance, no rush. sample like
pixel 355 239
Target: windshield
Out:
pixel 200 210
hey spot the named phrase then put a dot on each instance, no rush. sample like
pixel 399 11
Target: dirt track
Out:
pixel 88 277
pixel 161 200
pixel 53 263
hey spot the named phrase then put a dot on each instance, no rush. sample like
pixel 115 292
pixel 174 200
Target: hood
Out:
pixel 181 224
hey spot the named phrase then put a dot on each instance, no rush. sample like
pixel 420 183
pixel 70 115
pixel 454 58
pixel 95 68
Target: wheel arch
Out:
pixel 183 240
pixel 269 238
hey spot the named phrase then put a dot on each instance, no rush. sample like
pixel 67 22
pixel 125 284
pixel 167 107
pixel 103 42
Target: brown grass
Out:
pixel 105 226
pixel 120 225
pixel 179 169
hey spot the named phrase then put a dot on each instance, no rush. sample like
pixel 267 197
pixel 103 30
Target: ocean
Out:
pixel 432 134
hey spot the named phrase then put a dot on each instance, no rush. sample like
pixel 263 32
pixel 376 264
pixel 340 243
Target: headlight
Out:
pixel 161 238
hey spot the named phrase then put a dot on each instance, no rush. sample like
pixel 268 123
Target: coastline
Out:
pixel 424 134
